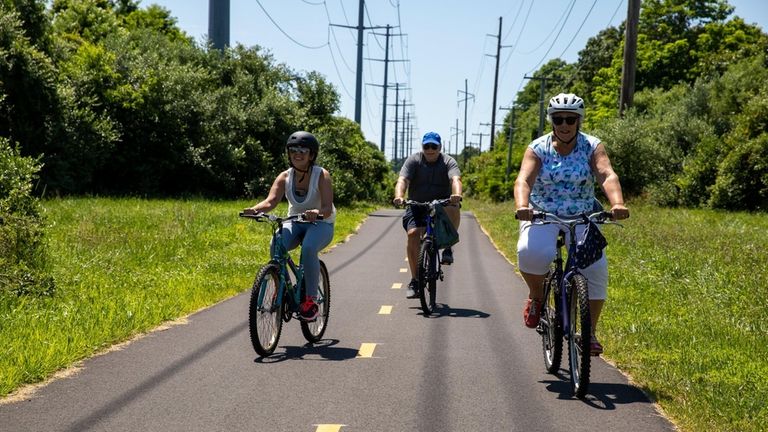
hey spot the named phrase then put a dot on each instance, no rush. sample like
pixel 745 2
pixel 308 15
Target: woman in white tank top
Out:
pixel 309 191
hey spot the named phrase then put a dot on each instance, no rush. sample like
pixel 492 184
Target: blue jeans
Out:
pixel 313 238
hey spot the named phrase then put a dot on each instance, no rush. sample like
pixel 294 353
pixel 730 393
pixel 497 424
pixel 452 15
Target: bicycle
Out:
pixel 279 289
pixel 565 311
pixel 429 267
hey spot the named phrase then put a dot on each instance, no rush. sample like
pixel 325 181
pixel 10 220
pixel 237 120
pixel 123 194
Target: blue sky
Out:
pixel 445 42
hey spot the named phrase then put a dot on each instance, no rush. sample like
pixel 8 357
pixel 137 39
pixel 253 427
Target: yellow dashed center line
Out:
pixel 397 285
pixel 329 427
pixel 403 270
pixel 366 350
pixel 385 310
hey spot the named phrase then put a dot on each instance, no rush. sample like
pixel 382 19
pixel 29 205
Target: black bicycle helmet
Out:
pixel 303 139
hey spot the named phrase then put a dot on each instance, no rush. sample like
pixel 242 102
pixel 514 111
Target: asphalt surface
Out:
pixel 472 367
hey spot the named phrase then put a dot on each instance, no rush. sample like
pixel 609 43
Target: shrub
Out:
pixel 23 257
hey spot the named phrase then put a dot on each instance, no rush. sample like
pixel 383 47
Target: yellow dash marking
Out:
pixel 385 310
pixel 403 270
pixel 329 427
pixel 397 285
pixel 366 350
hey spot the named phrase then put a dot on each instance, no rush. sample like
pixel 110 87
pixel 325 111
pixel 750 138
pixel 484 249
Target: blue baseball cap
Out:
pixel 431 137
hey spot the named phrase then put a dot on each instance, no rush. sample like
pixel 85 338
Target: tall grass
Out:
pixel 124 266
pixel 687 314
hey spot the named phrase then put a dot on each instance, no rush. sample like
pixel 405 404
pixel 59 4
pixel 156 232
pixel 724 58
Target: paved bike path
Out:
pixel 472 367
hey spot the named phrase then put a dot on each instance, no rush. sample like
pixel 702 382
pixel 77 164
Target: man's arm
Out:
pixel 400 187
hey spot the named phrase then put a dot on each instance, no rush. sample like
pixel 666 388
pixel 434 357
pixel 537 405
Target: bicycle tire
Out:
pixel 265 318
pixel 313 331
pixel 551 324
pixel 579 335
pixel 427 277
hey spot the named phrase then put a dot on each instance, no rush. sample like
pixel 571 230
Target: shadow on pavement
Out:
pixel 604 396
pixel 321 351
pixel 443 310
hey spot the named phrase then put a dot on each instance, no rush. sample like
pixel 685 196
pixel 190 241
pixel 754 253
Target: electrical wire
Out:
pixel 589 12
pixel 286 34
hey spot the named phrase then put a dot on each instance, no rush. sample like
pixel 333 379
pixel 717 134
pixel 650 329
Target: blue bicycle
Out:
pixel 565 312
pixel 429 270
pixel 279 290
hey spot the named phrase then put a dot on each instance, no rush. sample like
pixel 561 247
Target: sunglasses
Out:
pixel 302 150
pixel 569 120
pixel 430 146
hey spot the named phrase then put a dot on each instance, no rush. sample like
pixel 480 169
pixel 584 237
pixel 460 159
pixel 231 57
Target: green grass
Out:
pixel 125 266
pixel 687 313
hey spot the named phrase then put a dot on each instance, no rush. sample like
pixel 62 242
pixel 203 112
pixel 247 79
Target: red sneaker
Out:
pixel 308 309
pixel 532 313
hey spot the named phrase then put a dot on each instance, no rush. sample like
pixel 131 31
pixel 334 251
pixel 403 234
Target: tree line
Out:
pixel 696 135
pixel 102 97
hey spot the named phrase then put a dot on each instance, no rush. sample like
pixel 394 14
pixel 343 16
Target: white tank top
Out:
pixel 312 200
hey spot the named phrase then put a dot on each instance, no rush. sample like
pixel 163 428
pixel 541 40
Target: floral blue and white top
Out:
pixel 565 185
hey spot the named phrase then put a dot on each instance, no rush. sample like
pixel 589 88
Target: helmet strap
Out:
pixel 303 172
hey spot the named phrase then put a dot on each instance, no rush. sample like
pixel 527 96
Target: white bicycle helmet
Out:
pixel 565 102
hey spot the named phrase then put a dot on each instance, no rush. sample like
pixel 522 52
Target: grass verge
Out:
pixel 123 267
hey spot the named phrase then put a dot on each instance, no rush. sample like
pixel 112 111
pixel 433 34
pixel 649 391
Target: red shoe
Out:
pixel 309 310
pixel 532 313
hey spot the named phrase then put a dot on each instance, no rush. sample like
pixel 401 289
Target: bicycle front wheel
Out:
pixel 579 335
pixel 551 328
pixel 313 331
pixel 265 320
pixel 428 277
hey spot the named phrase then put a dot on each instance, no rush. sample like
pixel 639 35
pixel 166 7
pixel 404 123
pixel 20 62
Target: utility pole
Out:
pixel 496 84
pixel 541 101
pixel 385 85
pixel 359 81
pixel 467 96
pixel 456 142
pixel 397 87
pixel 480 146
pixel 630 57
pixel 511 138
pixel 455 137
pixel 218 23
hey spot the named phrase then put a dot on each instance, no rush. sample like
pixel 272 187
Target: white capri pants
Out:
pixel 537 248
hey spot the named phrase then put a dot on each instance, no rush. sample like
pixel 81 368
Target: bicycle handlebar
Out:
pixel 260 216
pixel 600 217
pixel 443 202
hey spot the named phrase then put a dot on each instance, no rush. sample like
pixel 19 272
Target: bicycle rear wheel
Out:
pixel 551 328
pixel 428 277
pixel 313 331
pixel 265 317
pixel 579 335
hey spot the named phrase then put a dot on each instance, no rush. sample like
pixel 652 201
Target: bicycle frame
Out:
pixel 429 267
pixel 280 255
pixel 571 292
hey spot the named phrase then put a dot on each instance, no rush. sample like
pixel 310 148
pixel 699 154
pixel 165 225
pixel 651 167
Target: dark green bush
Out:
pixel 23 257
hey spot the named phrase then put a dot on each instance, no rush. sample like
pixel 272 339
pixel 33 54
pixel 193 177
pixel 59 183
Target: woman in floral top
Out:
pixel 558 175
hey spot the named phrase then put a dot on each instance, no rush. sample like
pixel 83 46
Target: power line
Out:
pixel 286 34
pixel 573 38
pixel 556 37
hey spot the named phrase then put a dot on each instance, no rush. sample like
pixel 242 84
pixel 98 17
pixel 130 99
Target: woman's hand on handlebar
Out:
pixel 524 214
pixel 619 212
pixel 312 215
pixel 251 211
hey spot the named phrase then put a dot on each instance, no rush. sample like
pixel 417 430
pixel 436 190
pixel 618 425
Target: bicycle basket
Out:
pixel 590 248
pixel 445 233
